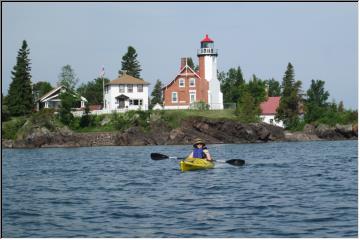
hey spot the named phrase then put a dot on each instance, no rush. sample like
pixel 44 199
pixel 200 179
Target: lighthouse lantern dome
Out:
pixel 207 42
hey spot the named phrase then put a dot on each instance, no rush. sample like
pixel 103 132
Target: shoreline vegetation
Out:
pixel 138 128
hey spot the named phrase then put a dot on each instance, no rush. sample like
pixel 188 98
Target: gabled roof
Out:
pixel 122 96
pixel 127 79
pixel 51 92
pixel 270 105
pixel 55 93
pixel 185 68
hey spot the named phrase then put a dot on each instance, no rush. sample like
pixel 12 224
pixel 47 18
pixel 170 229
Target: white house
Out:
pixel 52 100
pixel 268 111
pixel 126 93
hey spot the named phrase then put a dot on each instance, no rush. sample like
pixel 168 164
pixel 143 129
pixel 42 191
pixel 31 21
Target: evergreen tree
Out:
pixel 315 103
pixel 130 64
pixel 93 91
pixel 247 109
pixel 341 107
pixel 156 94
pixel 288 111
pixel 191 64
pixel 20 98
pixel 5 114
pixel 85 120
pixel 40 89
pixel 230 84
pixel 68 101
pixel 67 78
pixel 274 88
pixel 257 89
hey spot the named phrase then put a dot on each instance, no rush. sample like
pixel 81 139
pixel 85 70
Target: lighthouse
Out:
pixel 208 71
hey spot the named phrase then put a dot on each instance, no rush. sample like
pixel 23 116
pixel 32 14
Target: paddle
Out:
pixel 234 162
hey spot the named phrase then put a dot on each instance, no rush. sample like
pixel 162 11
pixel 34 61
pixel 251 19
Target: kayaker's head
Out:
pixel 199 143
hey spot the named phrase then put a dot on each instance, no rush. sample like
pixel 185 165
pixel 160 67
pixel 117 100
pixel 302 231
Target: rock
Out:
pixel 159 133
pixel 105 121
pixel 345 130
pixel 6 143
pixel 309 129
pixel 327 132
pixel 355 129
pixel 300 136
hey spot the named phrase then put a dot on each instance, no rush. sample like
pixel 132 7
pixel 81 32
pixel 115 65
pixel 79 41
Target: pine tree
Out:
pixel 130 64
pixel 156 94
pixel 20 93
pixel 274 88
pixel 288 111
pixel 315 103
pixel 247 109
pixel 40 89
pixel 191 64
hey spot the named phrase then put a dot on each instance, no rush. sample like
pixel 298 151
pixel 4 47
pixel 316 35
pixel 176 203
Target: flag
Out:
pixel 102 72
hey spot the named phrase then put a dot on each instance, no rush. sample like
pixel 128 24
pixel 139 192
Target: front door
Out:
pixel 121 103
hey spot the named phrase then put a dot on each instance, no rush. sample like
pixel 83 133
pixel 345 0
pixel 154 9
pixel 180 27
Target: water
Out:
pixel 304 189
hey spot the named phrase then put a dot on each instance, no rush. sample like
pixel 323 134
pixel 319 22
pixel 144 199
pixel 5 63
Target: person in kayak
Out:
pixel 200 150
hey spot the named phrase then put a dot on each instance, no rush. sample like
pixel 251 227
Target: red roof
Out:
pixel 207 39
pixel 269 107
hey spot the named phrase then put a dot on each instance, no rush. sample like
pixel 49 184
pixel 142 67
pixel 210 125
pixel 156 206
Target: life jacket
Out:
pixel 199 152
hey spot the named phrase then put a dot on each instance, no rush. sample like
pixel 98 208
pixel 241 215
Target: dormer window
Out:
pixel 181 82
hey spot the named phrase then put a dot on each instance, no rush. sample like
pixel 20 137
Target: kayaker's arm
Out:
pixel 207 154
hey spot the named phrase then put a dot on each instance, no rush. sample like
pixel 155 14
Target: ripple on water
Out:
pixel 285 190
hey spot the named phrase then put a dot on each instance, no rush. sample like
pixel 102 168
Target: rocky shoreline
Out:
pixel 212 131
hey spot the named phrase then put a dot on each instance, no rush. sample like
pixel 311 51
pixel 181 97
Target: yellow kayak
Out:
pixel 190 164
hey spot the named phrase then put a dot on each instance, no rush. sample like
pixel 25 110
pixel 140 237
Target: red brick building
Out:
pixel 189 86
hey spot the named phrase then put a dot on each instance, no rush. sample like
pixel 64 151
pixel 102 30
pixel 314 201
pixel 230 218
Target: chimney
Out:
pixel 183 62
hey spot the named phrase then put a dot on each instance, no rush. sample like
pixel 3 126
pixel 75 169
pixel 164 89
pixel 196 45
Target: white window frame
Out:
pixel 182 80
pixel 132 102
pixel 130 88
pixel 121 88
pixel 192 80
pixel 172 97
pixel 140 88
pixel 192 93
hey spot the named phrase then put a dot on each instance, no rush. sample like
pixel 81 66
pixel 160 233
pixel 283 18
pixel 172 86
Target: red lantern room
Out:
pixel 207 47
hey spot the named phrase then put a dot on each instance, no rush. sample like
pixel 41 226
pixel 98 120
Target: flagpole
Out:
pixel 103 92
pixel 102 77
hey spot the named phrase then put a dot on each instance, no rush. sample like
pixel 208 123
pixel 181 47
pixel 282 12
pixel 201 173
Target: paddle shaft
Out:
pixel 234 162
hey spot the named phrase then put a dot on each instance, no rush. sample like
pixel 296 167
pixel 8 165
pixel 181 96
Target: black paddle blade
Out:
pixel 236 162
pixel 158 156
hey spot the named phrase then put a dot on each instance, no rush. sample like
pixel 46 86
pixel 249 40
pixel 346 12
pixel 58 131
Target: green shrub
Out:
pixel 9 129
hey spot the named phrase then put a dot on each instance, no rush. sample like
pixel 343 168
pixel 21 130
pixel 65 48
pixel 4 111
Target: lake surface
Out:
pixel 301 189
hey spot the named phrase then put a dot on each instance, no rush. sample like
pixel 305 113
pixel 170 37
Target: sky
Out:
pixel 319 39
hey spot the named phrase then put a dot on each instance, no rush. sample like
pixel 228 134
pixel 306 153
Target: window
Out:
pixel 130 88
pixel 107 89
pixel 192 97
pixel 174 97
pixel 121 88
pixel 140 88
pixel 192 82
pixel 181 82
pixel 136 102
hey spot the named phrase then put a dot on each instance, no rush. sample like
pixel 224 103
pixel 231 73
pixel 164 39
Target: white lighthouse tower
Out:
pixel 208 70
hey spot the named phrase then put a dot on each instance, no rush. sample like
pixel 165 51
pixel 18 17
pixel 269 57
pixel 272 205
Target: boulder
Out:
pixel 327 132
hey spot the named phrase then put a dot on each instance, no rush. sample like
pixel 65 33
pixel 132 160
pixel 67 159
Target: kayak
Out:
pixel 190 164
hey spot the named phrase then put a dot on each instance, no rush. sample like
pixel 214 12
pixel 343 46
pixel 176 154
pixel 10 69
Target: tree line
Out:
pixel 295 110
